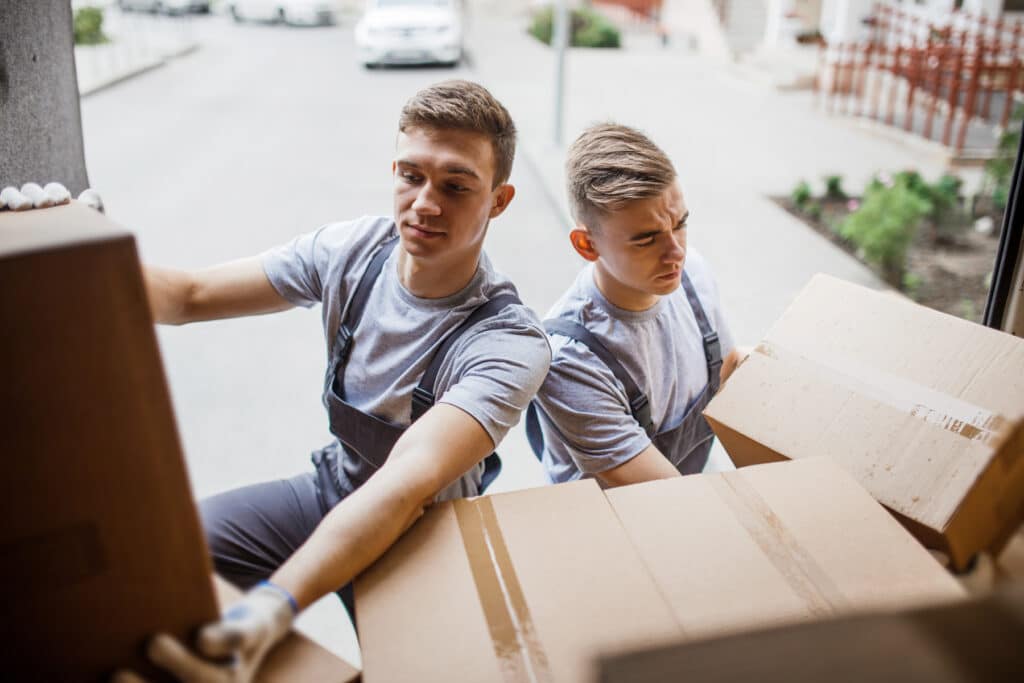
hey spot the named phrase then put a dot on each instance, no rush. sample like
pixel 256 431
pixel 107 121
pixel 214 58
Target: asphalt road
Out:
pixel 263 133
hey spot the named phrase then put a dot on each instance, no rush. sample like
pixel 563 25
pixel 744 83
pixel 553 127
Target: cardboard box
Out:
pixel 533 585
pixel 924 409
pixel 101 542
pixel 974 641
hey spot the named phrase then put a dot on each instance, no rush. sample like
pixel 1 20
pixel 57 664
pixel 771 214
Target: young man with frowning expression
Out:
pixel 431 359
pixel 639 343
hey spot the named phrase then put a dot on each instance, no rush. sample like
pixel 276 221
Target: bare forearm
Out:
pixel 228 290
pixel 169 292
pixel 648 465
pixel 348 540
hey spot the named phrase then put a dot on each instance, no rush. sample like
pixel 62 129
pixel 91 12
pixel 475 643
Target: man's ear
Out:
pixel 502 195
pixel 394 166
pixel 583 243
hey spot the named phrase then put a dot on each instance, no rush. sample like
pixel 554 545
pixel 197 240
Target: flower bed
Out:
pixel 922 238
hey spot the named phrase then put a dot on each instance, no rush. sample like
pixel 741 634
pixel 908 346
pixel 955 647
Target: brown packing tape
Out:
pixel 808 580
pixel 917 400
pixel 517 646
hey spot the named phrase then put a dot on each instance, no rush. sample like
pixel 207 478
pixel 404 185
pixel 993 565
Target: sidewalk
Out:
pixel 735 143
pixel 138 43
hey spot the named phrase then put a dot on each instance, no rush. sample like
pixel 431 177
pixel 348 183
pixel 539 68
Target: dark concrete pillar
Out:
pixel 40 121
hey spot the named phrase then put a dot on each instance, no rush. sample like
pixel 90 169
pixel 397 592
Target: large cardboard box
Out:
pixel 978 640
pixel 924 409
pixel 100 543
pixel 533 585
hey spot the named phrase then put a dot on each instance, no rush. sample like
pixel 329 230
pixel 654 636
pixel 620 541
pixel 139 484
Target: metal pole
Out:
pixel 559 41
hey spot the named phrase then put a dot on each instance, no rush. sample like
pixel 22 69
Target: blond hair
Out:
pixel 467 106
pixel 610 165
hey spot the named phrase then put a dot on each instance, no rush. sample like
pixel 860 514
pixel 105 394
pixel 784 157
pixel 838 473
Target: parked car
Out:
pixel 410 32
pixel 166 6
pixel 294 12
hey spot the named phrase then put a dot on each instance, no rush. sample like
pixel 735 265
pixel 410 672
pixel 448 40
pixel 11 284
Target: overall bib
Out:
pixel 365 438
pixel 688 445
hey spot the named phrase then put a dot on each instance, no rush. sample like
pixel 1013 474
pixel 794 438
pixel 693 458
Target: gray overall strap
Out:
pixel 423 396
pixel 639 406
pixel 357 304
pixel 712 346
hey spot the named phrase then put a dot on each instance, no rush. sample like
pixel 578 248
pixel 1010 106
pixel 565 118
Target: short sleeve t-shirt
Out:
pixel 586 421
pixel 491 372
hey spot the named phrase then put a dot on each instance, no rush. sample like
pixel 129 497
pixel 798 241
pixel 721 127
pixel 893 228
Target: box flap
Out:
pixel 54 228
pixel 912 402
pixel 785 542
pixel 530 585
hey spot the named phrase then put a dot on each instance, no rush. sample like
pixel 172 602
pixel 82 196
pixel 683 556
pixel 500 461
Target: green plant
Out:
pixel 834 187
pixel 968 311
pixel 884 225
pixel 88 26
pixel 801 194
pixel 588 28
pixel 999 168
pixel 912 284
pixel 813 210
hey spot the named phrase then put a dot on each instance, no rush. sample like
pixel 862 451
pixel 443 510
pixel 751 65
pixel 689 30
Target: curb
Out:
pixel 137 70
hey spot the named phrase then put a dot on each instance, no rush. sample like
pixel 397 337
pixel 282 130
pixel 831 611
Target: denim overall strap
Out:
pixel 688 445
pixel 423 396
pixel 639 406
pixel 357 304
pixel 712 346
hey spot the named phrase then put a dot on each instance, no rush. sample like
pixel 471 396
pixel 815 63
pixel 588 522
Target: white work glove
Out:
pixel 32 196
pixel 242 637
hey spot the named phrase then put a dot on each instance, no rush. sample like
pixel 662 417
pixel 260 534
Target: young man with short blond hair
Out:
pixel 639 343
pixel 432 358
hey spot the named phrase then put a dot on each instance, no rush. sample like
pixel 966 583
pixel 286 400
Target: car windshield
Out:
pixel 413 3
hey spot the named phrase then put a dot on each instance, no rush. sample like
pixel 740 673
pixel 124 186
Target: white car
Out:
pixel 295 12
pixel 165 6
pixel 410 32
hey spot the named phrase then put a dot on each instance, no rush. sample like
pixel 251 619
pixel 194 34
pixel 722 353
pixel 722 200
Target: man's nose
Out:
pixel 425 202
pixel 674 249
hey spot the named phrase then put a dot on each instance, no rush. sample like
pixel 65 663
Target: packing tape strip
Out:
pixel 808 581
pixel 517 646
pixel 930 405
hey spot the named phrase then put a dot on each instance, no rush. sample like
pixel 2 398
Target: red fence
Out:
pixel 935 76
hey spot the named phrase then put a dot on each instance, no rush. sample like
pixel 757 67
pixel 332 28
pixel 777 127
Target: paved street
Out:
pixel 265 132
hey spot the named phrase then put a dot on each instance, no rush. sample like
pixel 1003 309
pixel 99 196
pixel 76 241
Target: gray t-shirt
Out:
pixel 491 372
pixel 587 424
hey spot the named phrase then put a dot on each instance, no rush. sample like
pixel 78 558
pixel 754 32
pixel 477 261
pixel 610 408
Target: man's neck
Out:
pixel 434 279
pixel 621 295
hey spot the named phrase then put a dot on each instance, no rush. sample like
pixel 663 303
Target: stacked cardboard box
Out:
pixel 101 542
pixel 533 585
pixel 925 410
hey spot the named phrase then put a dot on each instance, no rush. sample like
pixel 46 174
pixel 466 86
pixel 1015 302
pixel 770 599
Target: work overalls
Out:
pixel 366 436
pixel 688 445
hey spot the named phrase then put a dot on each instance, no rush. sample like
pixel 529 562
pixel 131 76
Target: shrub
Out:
pixel 801 194
pixel 834 187
pixel 999 169
pixel 813 210
pixel 587 28
pixel 884 225
pixel 88 26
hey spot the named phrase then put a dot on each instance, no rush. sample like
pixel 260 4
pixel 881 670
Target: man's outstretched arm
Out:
pixel 229 290
pixel 435 451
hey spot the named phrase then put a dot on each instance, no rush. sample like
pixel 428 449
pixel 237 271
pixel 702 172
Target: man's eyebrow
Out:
pixel 454 169
pixel 462 170
pixel 651 233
